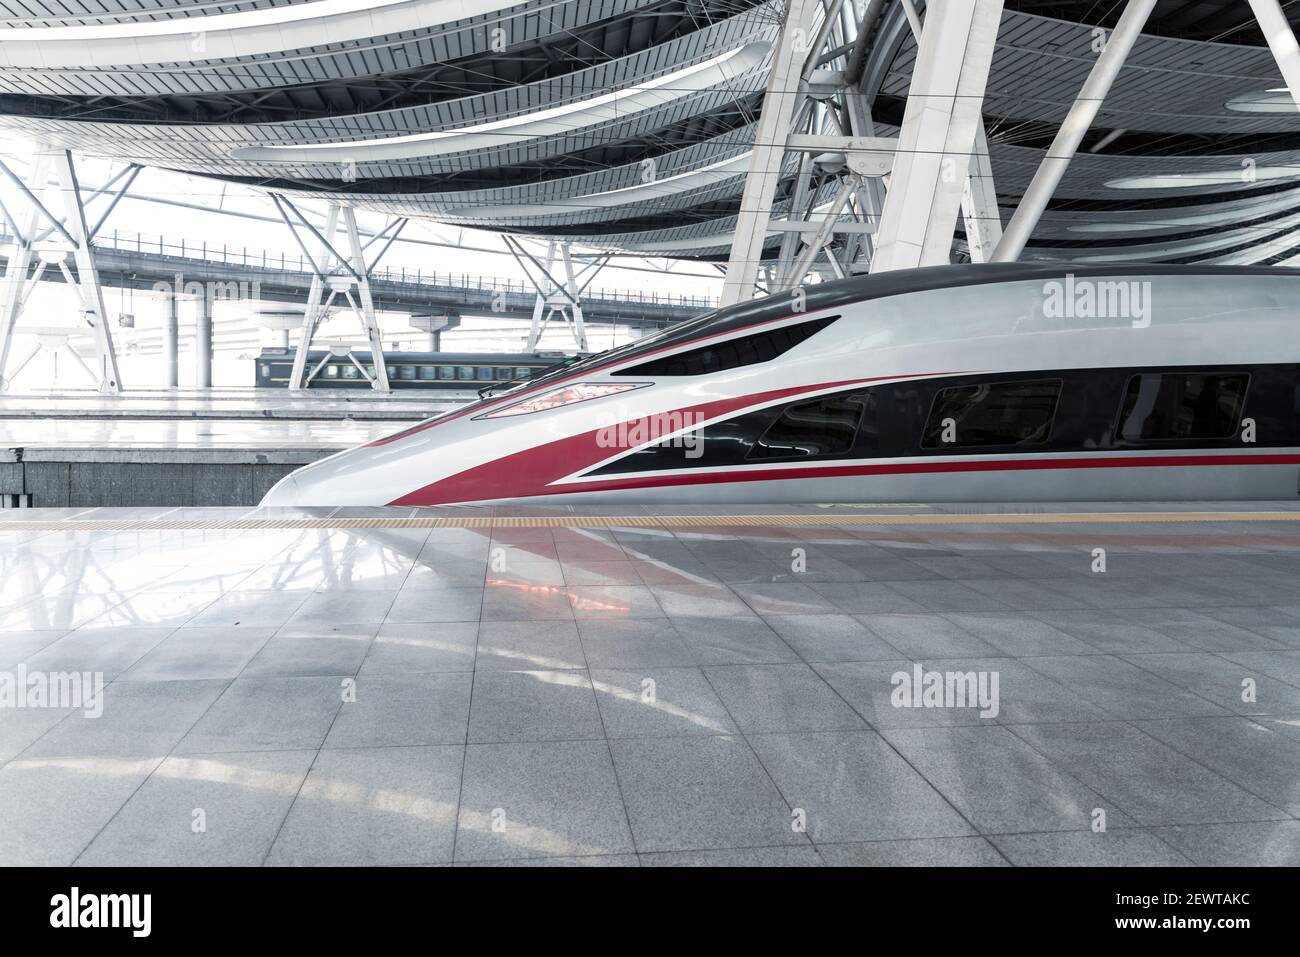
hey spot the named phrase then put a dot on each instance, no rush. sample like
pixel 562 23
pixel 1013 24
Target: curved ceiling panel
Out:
pixel 570 118
pixel 247 33
pixel 453 58
pixel 628 124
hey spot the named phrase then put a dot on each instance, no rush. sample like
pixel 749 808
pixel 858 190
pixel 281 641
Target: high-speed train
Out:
pixel 988 383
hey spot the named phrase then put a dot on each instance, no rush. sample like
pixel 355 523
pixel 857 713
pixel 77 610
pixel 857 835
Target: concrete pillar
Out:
pixel 435 342
pixel 773 129
pixel 203 342
pixel 171 342
pixel 944 104
pixel 283 337
pixel 979 203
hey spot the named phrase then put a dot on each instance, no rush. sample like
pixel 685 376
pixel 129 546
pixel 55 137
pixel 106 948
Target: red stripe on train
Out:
pixel 430 494
pixel 921 468
pixel 532 471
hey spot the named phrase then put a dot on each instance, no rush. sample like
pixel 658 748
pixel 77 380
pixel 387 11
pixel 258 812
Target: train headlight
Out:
pixel 564 395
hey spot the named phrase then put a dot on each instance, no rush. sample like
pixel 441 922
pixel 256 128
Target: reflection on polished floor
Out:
pixel 663 694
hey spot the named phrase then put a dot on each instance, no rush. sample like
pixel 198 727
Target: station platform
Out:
pixel 182 448
pixel 476 686
pixel 314 405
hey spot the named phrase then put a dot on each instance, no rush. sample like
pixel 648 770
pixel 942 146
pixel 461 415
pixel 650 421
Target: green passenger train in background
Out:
pixel 408 370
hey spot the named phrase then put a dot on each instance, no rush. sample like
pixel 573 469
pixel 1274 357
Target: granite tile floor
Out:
pixel 652 695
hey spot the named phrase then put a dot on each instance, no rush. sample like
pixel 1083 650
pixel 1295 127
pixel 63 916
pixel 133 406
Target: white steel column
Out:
pixel 14 292
pixel 366 313
pixel 203 339
pixel 92 294
pixel 311 317
pixel 556 296
pixel 1281 40
pixel 540 305
pixel 769 152
pixel 171 340
pixel 335 275
pixel 798 203
pixel 1073 128
pixel 871 196
pixel 979 203
pixel 944 108
pixel 75 235
pixel 817 242
pixel 575 309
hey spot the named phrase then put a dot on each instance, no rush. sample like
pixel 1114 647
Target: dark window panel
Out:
pixel 732 354
pixel 1175 405
pixel 817 429
pixel 992 414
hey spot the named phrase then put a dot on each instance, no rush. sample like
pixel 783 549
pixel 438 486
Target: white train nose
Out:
pixel 360 476
pixel 283 494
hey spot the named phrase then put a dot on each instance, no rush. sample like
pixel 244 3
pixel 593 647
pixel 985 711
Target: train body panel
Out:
pixel 1171 382
pixel 1195 483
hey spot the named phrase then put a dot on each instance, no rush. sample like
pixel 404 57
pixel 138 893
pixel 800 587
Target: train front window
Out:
pixel 992 414
pixel 1173 406
pixel 762 346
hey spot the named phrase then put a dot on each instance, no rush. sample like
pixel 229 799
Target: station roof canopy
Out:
pixel 627 125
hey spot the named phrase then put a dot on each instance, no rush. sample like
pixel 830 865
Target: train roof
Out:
pixel 841 292
pixel 899 282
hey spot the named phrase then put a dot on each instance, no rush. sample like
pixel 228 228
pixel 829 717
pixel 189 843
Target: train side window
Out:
pixel 331 372
pixel 427 373
pixel 817 429
pixel 406 372
pixel 504 374
pixel 994 413
pixel 1170 406
pixel 483 373
pixel 734 353
pixel 523 372
pixel 446 372
pixel 464 372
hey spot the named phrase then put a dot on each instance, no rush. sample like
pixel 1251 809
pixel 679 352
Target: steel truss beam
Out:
pixel 779 109
pixel 556 297
pixel 338 275
pixel 129 172
pixel 76 235
pixel 827 114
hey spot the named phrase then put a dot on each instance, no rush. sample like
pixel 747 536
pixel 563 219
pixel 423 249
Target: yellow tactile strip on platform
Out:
pixel 645 521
